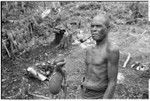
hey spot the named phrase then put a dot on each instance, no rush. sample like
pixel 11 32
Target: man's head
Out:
pixel 99 27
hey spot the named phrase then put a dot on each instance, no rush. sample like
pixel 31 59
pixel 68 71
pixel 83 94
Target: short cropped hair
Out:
pixel 106 18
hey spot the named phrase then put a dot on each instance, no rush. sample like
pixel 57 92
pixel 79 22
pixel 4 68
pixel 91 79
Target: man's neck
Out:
pixel 101 43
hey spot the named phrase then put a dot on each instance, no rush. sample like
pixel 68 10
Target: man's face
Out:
pixel 98 29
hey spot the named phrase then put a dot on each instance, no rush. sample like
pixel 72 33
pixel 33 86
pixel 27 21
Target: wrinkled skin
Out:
pixel 101 62
pixel 99 28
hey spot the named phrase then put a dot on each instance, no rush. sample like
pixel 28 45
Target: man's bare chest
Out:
pixel 96 56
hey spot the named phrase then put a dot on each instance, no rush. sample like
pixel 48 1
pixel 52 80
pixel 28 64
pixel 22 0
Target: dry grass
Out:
pixel 127 37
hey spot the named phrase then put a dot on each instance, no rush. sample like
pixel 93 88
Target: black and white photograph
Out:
pixel 75 50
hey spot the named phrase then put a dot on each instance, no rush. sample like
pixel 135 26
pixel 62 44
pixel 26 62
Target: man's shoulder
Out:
pixel 113 51
pixel 113 48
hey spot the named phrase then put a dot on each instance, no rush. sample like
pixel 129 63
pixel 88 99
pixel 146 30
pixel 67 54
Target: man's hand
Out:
pixel 61 63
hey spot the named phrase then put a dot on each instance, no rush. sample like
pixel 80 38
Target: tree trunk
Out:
pixel 62 39
pixel 66 41
pixel 58 36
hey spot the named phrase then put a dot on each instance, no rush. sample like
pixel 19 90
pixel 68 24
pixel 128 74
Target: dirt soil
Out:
pixel 15 85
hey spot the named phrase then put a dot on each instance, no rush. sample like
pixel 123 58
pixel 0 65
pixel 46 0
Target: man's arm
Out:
pixel 113 59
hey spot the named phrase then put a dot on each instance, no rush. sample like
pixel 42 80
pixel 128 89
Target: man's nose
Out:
pixel 94 29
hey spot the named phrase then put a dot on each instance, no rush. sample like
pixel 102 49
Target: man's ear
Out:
pixel 108 28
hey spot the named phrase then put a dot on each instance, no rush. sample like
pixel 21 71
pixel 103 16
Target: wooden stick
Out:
pixel 39 96
pixel 127 60
pixel 144 32
pixel 6 49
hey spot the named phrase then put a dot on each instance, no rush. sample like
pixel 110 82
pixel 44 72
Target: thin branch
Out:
pixel 6 48
pixel 15 96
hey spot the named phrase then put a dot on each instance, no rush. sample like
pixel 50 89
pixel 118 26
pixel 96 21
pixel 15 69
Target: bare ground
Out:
pixel 15 85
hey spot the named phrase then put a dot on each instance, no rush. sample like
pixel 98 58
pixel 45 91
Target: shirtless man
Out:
pixel 101 63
